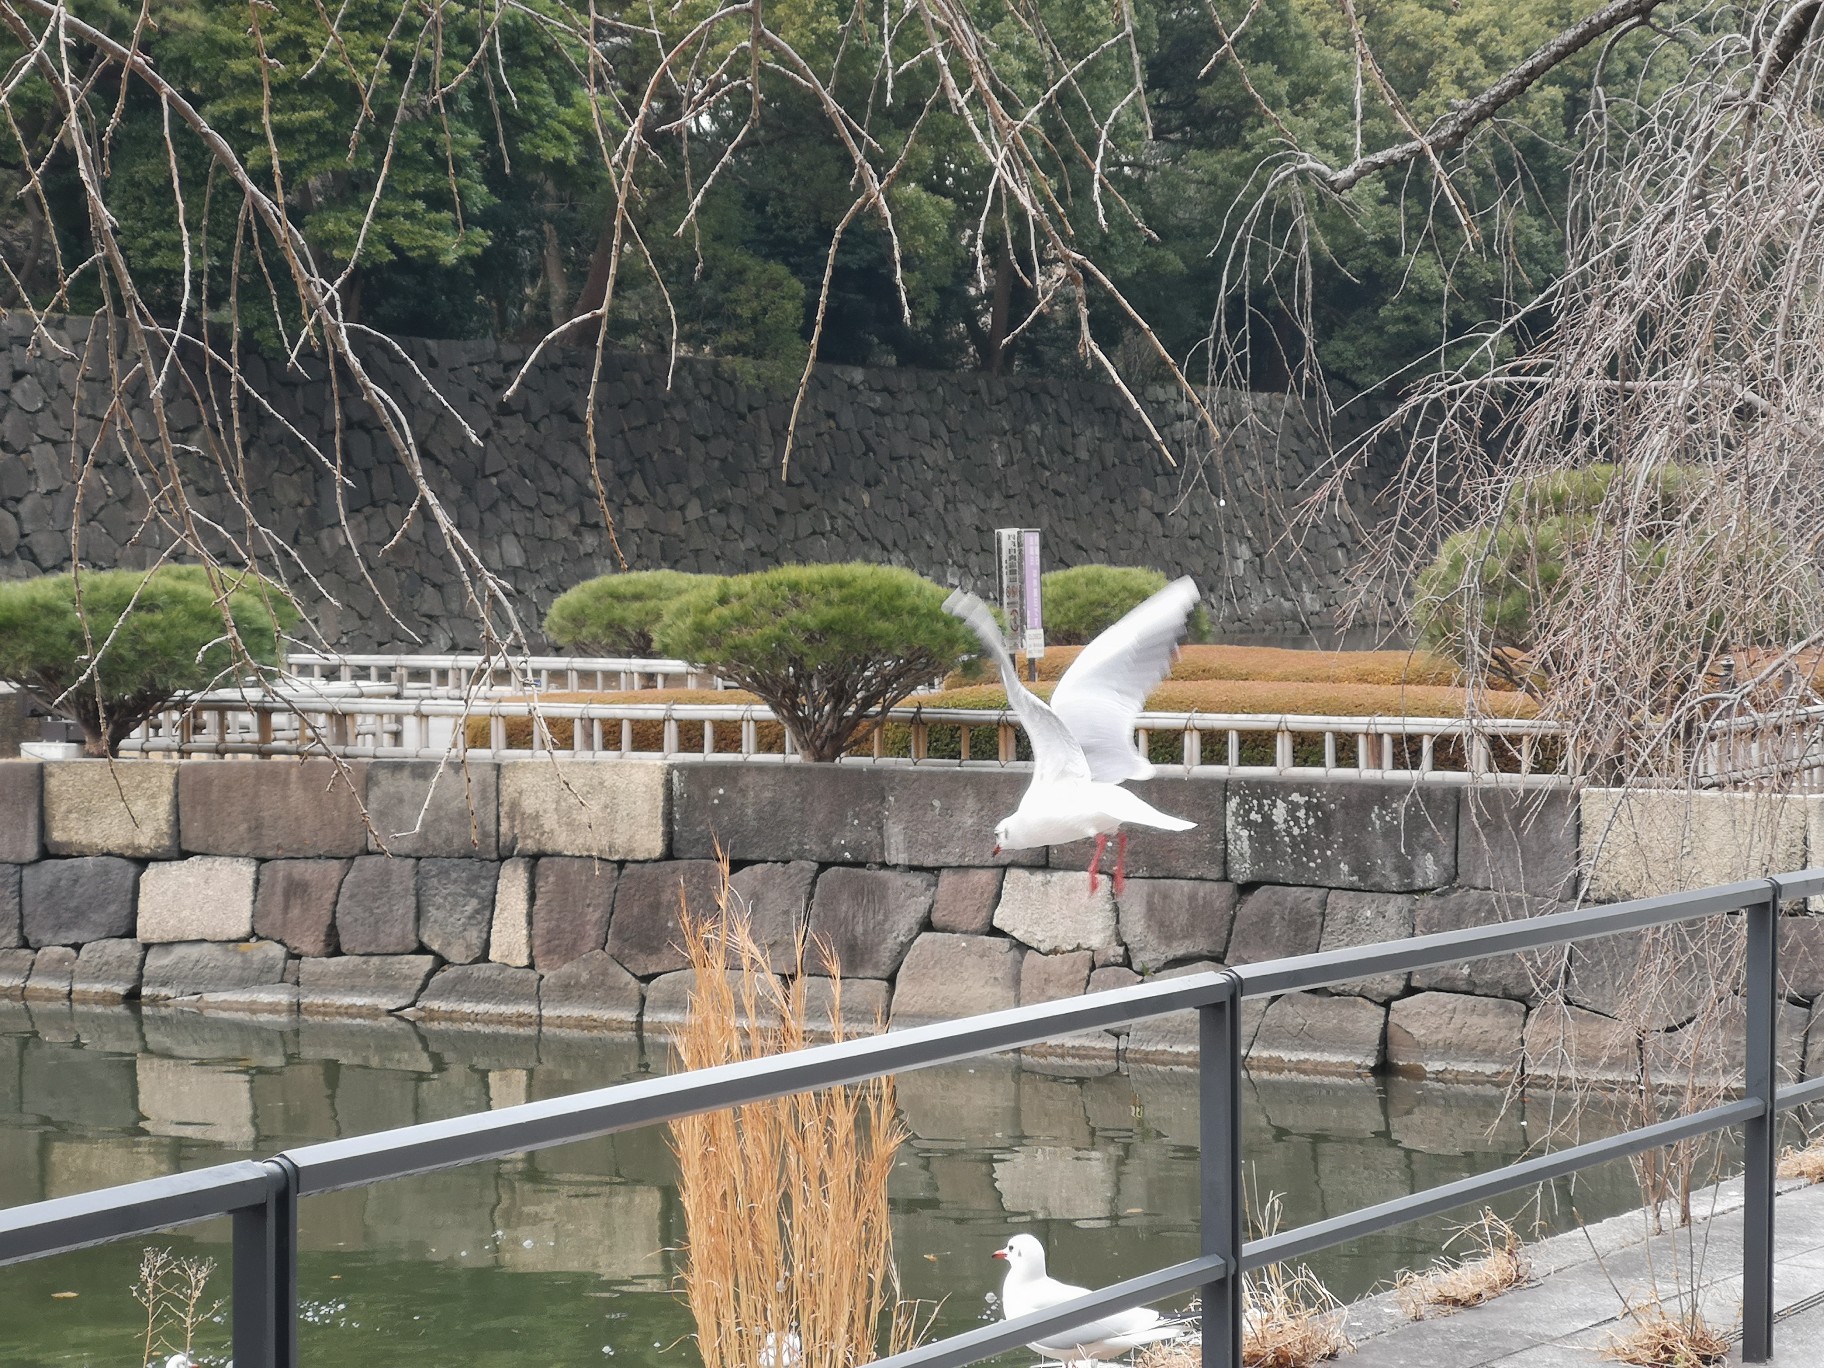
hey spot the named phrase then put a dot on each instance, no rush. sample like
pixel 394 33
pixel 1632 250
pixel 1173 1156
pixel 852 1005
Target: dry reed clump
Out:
pixel 1659 1340
pixel 788 1249
pixel 1495 1265
pixel 171 1289
pixel 1807 1163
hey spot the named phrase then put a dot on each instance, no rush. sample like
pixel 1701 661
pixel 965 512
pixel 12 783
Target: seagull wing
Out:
pixel 1138 1321
pixel 1106 686
pixel 1056 754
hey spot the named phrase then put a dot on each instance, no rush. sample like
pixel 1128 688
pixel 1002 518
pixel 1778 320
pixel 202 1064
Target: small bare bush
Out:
pixel 171 1289
pixel 789 1255
pixel 1496 1264
pixel 1658 1340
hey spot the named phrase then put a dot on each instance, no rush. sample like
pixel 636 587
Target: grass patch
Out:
pixel 1807 1163
pixel 1494 1265
pixel 1281 663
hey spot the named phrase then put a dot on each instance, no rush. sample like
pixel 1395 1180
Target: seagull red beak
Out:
pixel 998 1254
pixel 997 851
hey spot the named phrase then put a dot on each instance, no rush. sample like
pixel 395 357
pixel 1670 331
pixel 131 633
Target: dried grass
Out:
pixel 1496 1265
pixel 1662 1341
pixel 1807 1163
pixel 1283 663
pixel 171 1289
pixel 788 1253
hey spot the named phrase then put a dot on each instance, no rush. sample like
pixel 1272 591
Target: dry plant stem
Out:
pixel 1659 1340
pixel 171 1289
pixel 788 1254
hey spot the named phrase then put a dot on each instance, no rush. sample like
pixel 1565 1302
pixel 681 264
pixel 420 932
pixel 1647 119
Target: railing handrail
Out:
pixel 262 1195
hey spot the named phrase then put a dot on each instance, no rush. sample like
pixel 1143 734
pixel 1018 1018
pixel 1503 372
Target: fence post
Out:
pixel 1219 1170
pixel 265 1274
pixel 1761 981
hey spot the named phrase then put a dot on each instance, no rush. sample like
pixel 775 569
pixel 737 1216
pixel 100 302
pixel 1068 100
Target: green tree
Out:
pixel 617 614
pixel 110 651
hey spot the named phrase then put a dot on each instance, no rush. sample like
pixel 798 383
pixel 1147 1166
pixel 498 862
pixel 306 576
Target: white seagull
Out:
pixel 1027 1289
pixel 1083 740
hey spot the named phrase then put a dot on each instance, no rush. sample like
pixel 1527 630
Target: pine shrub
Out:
pixel 614 615
pixel 1086 599
pixel 161 635
pixel 827 647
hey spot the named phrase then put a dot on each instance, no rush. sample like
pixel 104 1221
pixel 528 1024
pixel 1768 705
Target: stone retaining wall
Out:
pixel 913 468
pixel 520 891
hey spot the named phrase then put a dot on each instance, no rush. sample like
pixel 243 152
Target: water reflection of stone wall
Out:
pixel 1101 1164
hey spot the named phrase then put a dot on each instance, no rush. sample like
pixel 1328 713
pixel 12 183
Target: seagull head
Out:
pixel 1023 1254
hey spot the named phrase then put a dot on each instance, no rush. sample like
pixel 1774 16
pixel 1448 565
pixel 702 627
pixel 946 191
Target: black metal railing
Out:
pixel 262 1195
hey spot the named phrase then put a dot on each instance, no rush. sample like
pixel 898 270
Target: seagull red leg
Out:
pixel 1120 863
pixel 1095 860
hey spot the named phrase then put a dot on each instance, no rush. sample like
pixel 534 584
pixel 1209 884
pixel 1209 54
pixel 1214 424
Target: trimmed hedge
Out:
pixel 1082 601
pixel 615 615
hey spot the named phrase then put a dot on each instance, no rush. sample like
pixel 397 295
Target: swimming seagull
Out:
pixel 1027 1289
pixel 1083 740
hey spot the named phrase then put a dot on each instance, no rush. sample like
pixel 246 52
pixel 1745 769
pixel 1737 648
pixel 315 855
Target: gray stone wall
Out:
pixel 524 894
pixel 911 468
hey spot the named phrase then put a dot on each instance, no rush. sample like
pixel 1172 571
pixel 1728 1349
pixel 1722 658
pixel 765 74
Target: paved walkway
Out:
pixel 1573 1307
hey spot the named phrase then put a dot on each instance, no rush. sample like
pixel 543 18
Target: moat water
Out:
pixel 567 1256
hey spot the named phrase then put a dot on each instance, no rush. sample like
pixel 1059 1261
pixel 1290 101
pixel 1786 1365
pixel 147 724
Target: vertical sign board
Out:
pixel 1017 555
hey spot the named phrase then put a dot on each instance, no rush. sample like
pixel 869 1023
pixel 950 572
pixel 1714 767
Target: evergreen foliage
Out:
pixel 615 615
pixel 827 647
pixel 160 635
pixel 1085 599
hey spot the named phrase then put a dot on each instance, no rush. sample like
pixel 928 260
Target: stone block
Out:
pixel 777 898
pixel 1568 1044
pixel 1054 910
pixel 296 904
pixel 187 968
pixel 863 1006
pixel 15 969
pixel 571 902
pixel 1515 976
pixel 946 976
pixel 1051 978
pixel 1456 1037
pixel 51 973
pixel 12 930
pixel 644 934
pixel 1518 840
pixel 71 902
pixel 107 971
pixel 480 992
pixel 1200 853
pixel 936 817
pixel 1625 977
pixel 269 810
pixel 1164 920
pixel 456 907
pixel 668 1000
pixel 423 807
pixel 203 898
pixel 265 999
pixel 1314 1033
pixel 1352 919
pixel 1374 836
pixel 610 810
pixel 363 985
pixel 377 906
pixel 510 933
pixel 965 901
pixel 21 811
pixel 827 813
pixel 1276 922
pixel 1641 842
pixel 868 918
pixel 118 807
pixel 591 990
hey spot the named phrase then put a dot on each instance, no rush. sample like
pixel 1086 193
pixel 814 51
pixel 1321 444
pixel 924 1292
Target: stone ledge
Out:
pixel 111 807
pixel 1367 835
pixel 272 809
pixel 422 807
pixel 608 809
pixel 362 985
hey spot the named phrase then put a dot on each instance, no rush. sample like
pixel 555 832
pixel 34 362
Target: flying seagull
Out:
pixel 1027 1289
pixel 1083 740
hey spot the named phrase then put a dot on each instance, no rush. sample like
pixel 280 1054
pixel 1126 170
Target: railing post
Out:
pixel 265 1312
pixel 1761 981
pixel 1219 1171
